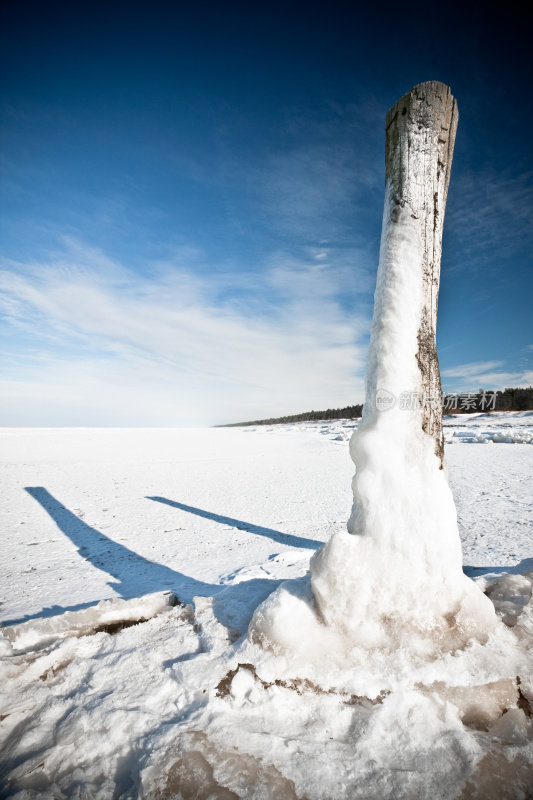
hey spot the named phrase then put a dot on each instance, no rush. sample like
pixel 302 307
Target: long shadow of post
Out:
pixel 136 575
pixel 286 539
pixel 131 571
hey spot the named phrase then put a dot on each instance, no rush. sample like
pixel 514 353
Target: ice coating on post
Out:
pixel 395 579
pixel 403 366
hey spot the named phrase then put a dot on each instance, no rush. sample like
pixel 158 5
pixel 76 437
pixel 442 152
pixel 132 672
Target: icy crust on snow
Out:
pixel 106 615
pixel 170 708
pixel 381 726
pixel 395 580
pixel 498 427
pixel 498 437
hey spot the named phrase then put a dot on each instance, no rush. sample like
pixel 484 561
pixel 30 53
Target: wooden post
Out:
pixel 420 136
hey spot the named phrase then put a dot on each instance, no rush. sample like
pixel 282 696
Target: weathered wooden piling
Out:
pixel 420 137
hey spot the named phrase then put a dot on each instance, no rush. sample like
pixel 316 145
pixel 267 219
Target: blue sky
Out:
pixel 192 199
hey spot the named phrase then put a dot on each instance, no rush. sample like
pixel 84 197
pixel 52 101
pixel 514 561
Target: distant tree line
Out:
pixel 350 412
pixel 520 399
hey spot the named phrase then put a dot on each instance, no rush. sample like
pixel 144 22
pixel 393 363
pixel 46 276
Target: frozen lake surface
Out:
pixel 96 706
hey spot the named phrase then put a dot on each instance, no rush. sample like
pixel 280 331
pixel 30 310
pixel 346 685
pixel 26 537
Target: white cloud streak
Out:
pixel 104 345
pixel 470 370
pixel 483 374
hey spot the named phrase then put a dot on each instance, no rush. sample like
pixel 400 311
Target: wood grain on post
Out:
pixel 420 137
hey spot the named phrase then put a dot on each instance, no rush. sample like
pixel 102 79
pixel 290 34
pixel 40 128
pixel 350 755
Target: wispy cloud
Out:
pixel 471 370
pixel 305 184
pixel 487 213
pixel 104 344
pixel 310 191
pixel 198 337
pixel 483 374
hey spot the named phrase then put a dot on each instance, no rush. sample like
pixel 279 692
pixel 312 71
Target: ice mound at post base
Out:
pixel 395 579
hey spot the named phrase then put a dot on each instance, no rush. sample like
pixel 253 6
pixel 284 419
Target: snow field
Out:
pixel 162 708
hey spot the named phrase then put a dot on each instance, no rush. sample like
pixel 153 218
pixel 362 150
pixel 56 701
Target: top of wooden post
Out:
pixel 427 112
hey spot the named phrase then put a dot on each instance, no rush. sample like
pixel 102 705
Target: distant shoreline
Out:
pixel 517 399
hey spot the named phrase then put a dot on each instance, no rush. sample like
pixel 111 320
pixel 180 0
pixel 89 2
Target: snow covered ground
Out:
pixel 94 705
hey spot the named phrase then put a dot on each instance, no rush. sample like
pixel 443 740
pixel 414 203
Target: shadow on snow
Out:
pixel 286 539
pixel 526 565
pixel 135 575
